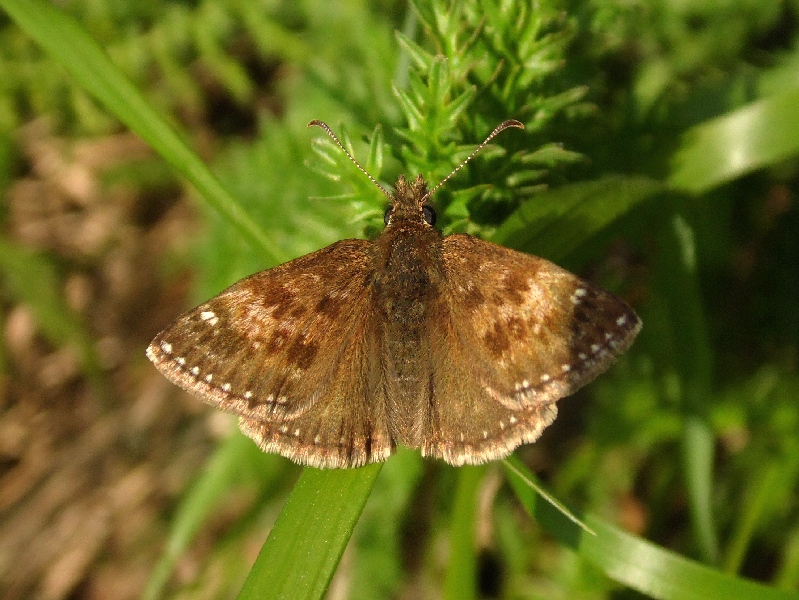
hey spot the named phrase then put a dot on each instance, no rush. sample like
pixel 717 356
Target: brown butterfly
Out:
pixel 450 344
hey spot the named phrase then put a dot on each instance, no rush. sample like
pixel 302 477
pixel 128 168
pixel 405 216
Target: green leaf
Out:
pixel 69 43
pixel 758 135
pixel 461 580
pixel 634 562
pixel 677 282
pixel 760 495
pixel 305 545
pixel 557 222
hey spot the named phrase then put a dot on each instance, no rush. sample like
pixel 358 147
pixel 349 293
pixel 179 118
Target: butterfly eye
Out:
pixel 429 215
pixel 387 215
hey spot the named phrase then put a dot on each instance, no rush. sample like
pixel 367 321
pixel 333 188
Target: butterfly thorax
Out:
pixel 408 256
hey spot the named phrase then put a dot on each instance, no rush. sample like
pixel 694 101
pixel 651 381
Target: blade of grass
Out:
pixel 69 44
pixel 305 545
pixel 758 498
pixel 634 562
pixel 758 135
pixel 556 222
pixel 461 578
pixel 514 465
pixel 678 283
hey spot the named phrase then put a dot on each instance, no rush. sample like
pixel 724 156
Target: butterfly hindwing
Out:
pixel 312 385
pixel 511 335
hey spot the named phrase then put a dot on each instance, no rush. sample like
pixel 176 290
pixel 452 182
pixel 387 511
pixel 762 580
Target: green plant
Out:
pixel 476 64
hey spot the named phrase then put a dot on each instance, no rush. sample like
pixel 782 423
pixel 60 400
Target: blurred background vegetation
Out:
pixel 659 159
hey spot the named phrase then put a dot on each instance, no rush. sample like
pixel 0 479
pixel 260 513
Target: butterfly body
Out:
pixel 407 282
pixel 451 344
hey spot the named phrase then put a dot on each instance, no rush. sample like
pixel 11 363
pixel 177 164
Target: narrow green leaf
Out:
pixel 759 496
pixel 677 282
pixel 416 53
pixel 412 114
pixel 556 222
pixel 637 563
pixel 374 163
pixel 458 105
pixel 758 135
pixel 698 451
pixel 69 44
pixel 305 545
pixel 461 579
pixel 513 464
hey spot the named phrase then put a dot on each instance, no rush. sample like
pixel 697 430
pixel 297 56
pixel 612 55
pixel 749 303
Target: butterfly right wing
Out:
pixel 510 335
pixel 295 352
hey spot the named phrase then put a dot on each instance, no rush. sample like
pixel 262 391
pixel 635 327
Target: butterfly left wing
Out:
pixel 294 352
pixel 510 335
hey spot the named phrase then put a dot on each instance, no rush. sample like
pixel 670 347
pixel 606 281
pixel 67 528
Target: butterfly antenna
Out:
pixel 501 127
pixel 323 125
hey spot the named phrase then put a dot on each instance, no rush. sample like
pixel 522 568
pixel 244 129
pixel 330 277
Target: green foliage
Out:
pixel 158 46
pixel 631 110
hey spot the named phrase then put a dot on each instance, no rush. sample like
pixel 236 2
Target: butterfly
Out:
pixel 449 344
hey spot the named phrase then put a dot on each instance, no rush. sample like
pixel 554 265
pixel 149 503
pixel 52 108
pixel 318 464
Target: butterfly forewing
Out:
pixel 312 385
pixel 511 335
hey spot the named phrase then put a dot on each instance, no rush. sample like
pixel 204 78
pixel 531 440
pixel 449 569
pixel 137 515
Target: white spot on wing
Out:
pixel 225 387
pixel 545 377
pixel 621 320
pixel 210 316
pixel 166 347
pixel 180 360
pixel 248 394
pixel 195 370
pixel 578 293
pixel 512 419
pixel 209 378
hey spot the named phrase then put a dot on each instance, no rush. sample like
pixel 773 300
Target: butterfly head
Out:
pixel 409 204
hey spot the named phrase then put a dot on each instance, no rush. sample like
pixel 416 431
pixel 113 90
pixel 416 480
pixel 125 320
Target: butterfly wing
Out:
pixel 294 351
pixel 510 335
